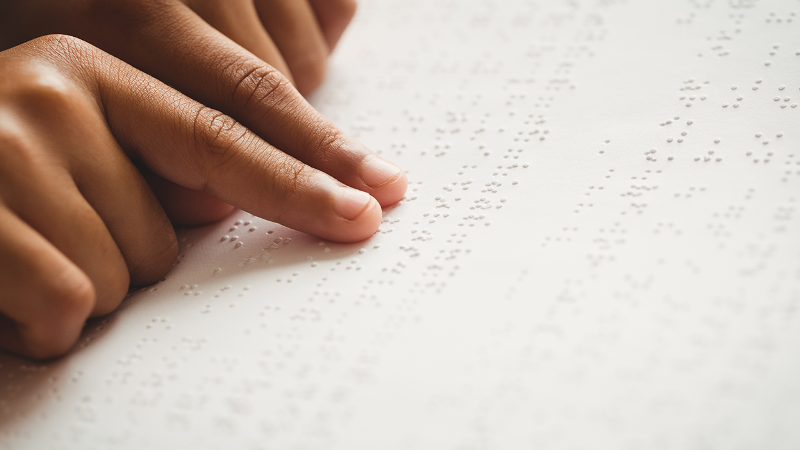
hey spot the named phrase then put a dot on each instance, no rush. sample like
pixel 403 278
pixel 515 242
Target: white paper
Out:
pixel 599 249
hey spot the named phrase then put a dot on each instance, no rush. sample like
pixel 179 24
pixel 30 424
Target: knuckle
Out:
pixel 261 88
pixel 220 140
pixel 41 94
pixel 216 133
pixel 326 143
pixel 14 143
pixel 289 184
pixel 22 162
pixel 296 177
pixel 65 47
pixel 56 334
pixel 73 298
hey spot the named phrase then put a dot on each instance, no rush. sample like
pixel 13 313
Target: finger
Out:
pixel 121 197
pixel 238 20
pixel 92 203
pixel 294 28
pixel 45 299
pixel 60 214
pixel 202 149
pixel 333 17
pixel 210 68
pixel 51 203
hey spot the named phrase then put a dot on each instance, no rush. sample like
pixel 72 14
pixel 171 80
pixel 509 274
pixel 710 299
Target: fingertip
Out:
pixel 358 216
pixel 392 192
pixel 387 182
pixel 350 203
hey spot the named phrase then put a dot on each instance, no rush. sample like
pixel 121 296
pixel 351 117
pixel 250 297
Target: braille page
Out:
pixel 599 249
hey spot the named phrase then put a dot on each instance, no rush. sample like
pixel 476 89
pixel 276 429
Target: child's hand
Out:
pixel 214 52
pixel 78 223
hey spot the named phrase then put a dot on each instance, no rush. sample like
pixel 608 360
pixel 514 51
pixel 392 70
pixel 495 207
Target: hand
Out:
pixel 175 42
pixel 78 222
pixel 294 36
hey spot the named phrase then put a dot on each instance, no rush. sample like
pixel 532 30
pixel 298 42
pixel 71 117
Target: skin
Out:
pixel 214 51
pixel 100 158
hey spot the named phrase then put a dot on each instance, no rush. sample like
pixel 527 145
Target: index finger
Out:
pixel 207 66
pixel 203 149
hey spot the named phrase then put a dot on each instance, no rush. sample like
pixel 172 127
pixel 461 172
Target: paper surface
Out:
pixel 599 248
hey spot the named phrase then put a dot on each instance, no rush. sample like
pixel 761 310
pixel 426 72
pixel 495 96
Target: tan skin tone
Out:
pixel 99 157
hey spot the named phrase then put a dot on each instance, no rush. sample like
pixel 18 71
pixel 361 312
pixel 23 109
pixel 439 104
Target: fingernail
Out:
pixel 377 171
pixel 351 203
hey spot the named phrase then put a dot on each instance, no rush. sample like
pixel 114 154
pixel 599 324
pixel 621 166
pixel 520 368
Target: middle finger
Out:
pixel 238 20
pixel 210 68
